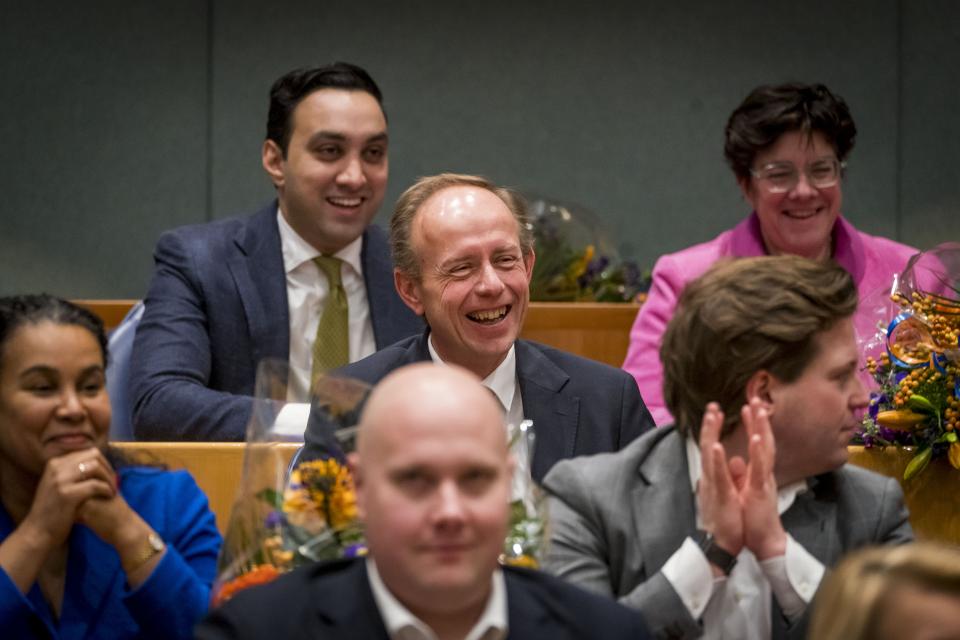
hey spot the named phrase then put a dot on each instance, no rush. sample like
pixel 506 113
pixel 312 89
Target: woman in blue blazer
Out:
pixel 90 547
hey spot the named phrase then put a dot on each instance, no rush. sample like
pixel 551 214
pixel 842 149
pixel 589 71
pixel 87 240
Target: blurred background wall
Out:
pixel 122 118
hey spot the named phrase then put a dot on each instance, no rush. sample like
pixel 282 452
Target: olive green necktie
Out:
pixel 331 347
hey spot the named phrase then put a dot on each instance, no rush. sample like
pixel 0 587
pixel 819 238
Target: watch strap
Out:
pixel 719 557
pixel 153 545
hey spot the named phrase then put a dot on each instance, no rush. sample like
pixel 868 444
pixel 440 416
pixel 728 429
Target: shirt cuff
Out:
pixel 794 578
pixel 688 572
pixel 292 420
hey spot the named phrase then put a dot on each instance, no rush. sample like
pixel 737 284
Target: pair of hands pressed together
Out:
pixel 80 487
pixel 738 499
pixel 68 493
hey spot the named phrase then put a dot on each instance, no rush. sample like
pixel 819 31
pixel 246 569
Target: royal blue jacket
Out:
pixel 97 603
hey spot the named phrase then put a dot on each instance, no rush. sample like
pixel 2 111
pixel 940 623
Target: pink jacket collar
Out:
pixel 747 241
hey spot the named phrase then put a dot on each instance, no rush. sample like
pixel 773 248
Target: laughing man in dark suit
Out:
pixel 433 477
pixel 227 294
pixel 463 251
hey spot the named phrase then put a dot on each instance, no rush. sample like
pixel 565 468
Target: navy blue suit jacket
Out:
pixel 578 406
pixel 217 306
pixel 334 601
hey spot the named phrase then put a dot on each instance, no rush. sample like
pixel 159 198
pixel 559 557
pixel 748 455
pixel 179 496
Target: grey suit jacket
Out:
pixel 216 307
pixel 615 519
pixel 578 406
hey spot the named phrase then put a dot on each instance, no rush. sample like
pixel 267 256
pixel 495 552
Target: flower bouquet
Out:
pixel 574 263
pixel 291 513
pixel 918 401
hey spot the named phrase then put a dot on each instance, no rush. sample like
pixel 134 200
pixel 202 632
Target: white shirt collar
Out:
pixel 502 380
pixel 401 623
pixel 785 495
pixel 296 250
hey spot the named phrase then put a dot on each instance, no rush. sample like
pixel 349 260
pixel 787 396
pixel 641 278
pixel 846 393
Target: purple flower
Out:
pixel 273 519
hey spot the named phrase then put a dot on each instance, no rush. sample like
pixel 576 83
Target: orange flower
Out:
pixel 259 574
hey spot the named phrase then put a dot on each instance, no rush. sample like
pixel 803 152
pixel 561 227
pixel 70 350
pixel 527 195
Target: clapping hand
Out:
pixel 738 500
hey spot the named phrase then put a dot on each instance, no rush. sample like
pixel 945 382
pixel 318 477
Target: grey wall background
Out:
pixel 124 118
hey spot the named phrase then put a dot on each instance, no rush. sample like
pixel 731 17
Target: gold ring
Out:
pixel 83 468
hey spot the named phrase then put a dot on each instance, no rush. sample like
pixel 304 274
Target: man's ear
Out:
pixel 272 159
pixel 528 261
pixel 762 384
pixel 409 290
pixel 353 463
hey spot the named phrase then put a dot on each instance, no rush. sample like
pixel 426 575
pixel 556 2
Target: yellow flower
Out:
pixel 524 560
pixel 954 455
pixel 579 267
pixel 325 487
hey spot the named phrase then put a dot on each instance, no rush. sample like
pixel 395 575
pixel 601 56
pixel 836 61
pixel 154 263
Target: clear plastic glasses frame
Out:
pixel 780 177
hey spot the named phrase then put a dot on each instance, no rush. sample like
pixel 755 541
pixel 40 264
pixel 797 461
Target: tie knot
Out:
pixel 331 268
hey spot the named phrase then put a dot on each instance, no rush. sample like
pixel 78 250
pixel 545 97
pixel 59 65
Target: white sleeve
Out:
pixel 794 578
pixel 688 572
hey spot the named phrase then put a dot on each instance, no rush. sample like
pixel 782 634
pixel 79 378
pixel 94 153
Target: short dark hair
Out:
pixel 772 110
pixel 17 311
pixel 292 87
pixel 744 316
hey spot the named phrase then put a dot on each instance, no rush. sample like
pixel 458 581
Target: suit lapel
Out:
pixel 380 289
pixel 555 414
pixel 257 269
pixel 811 521
pixel 668 514
pixel 353 612
pixel 812 518
pixel 527 617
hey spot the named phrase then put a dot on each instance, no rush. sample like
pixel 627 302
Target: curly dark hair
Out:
pixel 772 110
pixel 17 311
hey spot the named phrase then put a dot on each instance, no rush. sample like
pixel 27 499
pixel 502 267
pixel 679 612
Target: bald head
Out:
pixel 424 394
pixel 433 474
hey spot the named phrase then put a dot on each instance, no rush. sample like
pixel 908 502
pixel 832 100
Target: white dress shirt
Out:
pixel 403 625
pixel 502 381
pixel 738 606
pixel 307 290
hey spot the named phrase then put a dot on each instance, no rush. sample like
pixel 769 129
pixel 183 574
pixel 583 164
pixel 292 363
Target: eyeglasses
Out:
pixel 780 177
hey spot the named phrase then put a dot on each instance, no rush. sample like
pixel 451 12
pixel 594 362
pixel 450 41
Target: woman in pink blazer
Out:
pixel 787 146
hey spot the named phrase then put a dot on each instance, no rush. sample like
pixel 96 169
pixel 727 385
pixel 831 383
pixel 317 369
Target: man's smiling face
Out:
pixel 474 280
pixel 333 176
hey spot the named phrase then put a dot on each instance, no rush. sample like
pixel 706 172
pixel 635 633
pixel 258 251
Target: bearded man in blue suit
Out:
pixel 227 294
pixel 464 256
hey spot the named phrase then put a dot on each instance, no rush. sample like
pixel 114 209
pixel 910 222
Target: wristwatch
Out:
pixel 154 546
pixel 717 556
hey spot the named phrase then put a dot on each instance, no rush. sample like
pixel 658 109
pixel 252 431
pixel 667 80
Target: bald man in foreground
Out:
pixel 433 477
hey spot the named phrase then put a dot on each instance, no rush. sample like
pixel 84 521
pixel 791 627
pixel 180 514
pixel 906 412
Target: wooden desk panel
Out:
pixel 933 496
pixel 111 312
pixel 216 466
pixel 598 330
